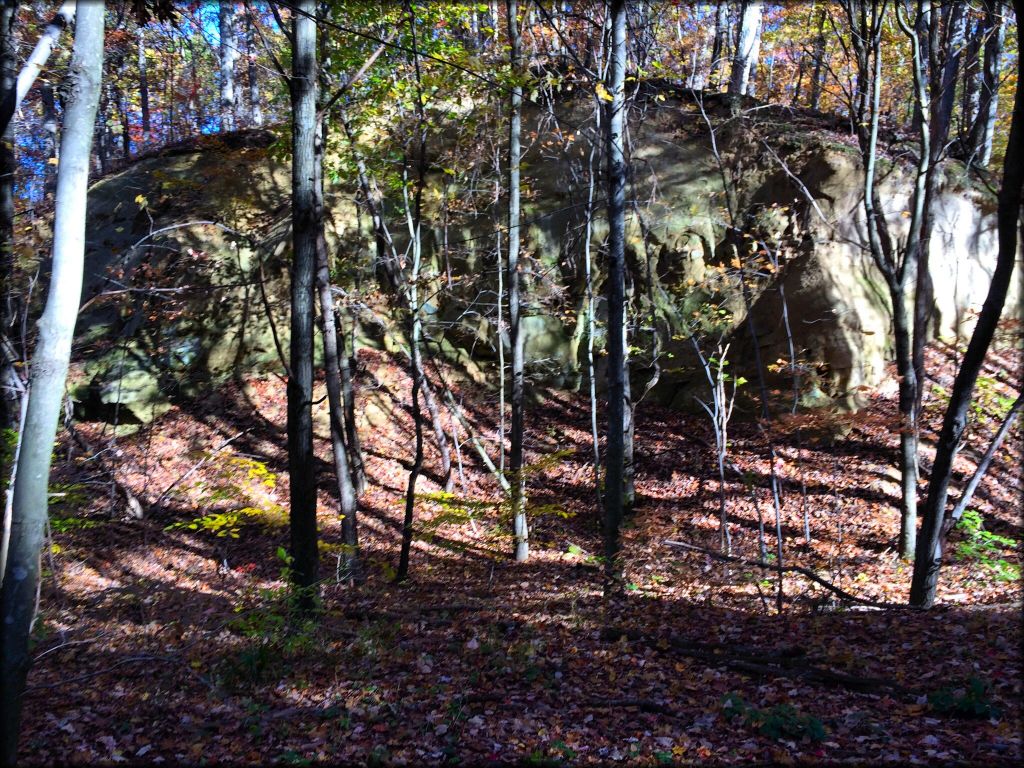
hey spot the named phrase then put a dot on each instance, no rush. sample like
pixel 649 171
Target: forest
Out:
pixel 511 382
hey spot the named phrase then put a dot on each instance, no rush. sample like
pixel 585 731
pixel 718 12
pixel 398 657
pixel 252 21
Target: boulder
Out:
pixel 187 263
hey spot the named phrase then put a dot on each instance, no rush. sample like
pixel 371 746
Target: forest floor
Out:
pixel 167 644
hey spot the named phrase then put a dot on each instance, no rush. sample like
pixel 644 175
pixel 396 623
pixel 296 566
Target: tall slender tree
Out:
pixel 519 524
pixel 617 405
pixel 719 44
pixel 228 57
pixel 9 379
pixel 982 131
pixel 898 265
pixel 936 523
pixel 414 222
pixel 144 84
pixel 255 108
pixel 332 359
pixel 748 46
pixel 12 97
pixel 302 478
pixel 49 371
pixel 819 59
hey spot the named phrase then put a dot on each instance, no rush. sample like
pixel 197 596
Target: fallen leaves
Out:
pixel 485 660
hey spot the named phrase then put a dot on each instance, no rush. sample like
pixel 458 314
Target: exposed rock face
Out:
pixel 838 302
pixel 217 281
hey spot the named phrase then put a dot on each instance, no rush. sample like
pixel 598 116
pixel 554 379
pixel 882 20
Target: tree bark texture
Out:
pixel 301 473
pixel 718 45
pixel 255 107
pixel 49 371
pixel 228 56
pixel 518 496
pixel 36 61
pixel 748 46
pixel 332 365
pixel 614 501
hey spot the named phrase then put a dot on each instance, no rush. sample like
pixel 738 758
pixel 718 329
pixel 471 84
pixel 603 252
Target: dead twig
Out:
pixel 197 466
pixel 134 506
pixel 806 572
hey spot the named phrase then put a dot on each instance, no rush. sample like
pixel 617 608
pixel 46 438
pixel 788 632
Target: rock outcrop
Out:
pixel 187 257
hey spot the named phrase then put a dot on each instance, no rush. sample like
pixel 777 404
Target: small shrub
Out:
pixel 985 547
pixel 275 632
pixel 970 701
pixel 236 479
pixel 778 722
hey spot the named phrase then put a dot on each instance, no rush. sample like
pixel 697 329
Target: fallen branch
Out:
pixel 62 646
pixel 134 506
pixel 644 705
pixel 78 678
pixel 806 572
pixel 823 675
pixel 784 662
pixel 453 407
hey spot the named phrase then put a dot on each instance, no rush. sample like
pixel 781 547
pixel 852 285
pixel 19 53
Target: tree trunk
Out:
pixel 718 45
pixel 171 56
pixel 819 61
pixel 255 107
pixel 49 371
pixel 49 141
pixel 971 84
pixel 36 61
pixel 10 380
pixel 628 431
pixel 416 369
pixel 748 46
pixel 103 133
pixel 336 404
pixel 347 361
pixel 122 114
pixel 518 495
pixel 866 22
pixel 228 56
pixel 945 96
pixel 927 77
pixel 195 104
pixel 143 86
pixel 614 476
pixel 591 314
pixel 983 129
pixel 935 526
pixel 347 505
pixel 414 220
pixel 500 301
pixel 908 425
pixel 304 236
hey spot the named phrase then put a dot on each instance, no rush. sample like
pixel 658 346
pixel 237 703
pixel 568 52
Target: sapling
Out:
pixel 720 409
